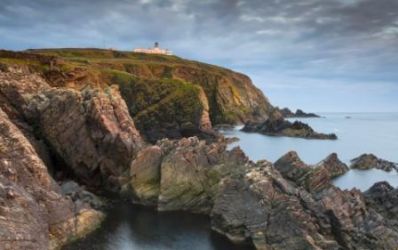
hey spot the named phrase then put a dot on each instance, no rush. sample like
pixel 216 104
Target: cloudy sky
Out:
pixel 319 55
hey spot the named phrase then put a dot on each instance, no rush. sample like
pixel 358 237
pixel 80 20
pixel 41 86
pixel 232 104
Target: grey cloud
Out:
pixel 339 39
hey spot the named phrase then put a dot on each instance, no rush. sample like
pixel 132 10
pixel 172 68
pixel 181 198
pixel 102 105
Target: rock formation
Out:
pixel 282 127
pixel 287 113
pixel 33 212
pixel 369 161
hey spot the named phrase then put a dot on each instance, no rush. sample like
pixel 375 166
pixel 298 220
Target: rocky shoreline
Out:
pixel 51 135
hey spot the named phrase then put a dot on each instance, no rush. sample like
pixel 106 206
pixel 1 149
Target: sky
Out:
pixel 317 55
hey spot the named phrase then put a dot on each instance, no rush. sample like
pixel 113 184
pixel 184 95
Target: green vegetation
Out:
pixel 156 104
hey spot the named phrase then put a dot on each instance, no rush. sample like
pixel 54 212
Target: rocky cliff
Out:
pixel 176 97
pixel 55 126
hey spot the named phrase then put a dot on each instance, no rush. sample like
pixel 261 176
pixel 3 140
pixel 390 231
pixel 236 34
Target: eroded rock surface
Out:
pixel 90 130
pixel 33 212
pixel 369 161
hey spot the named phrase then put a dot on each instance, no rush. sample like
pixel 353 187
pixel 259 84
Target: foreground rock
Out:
pixel 184 174
pixel 369 161
pixel 33 212
pixel 281 127
pixel 276 214
pixel 384 199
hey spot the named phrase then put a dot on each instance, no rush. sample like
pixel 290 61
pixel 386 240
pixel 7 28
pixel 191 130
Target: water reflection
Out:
pixel 130 227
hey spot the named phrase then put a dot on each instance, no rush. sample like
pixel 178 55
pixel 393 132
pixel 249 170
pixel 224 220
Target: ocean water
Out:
pixel 357 133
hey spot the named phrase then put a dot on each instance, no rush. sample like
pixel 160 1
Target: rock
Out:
pixel 281 127
pixel 287 113
pixel 191 172
pixel 311 178
pixel 78 194
pixel 369 161
pixel 333 165
pixel 90 130
pixel 384 199
pixel 145 175
pixel 183 174
pixel 33 212
pixel 263 208
pixel 274 213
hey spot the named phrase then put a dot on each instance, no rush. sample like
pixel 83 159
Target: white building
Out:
pixel 154 50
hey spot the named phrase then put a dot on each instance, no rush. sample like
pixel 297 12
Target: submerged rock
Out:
pixel 281 127
pixel 369 161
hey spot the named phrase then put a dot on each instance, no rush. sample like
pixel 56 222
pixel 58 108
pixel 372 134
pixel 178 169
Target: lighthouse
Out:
pixel 155 50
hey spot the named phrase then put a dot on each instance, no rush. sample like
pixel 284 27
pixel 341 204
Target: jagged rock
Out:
pixel 384 199
pixel 333 165
pixel 369 161
pixel 275 214
pixel 281 127
pixel 33 212
pixel 262 207
pixel 90 130
pixel 312 178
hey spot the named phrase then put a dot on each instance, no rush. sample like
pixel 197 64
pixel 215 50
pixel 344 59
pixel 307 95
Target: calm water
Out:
pixel 130 227
pixel 375 133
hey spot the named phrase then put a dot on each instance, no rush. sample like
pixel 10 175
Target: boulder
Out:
pixel 333 165
pixel 311 178
pixel 369 161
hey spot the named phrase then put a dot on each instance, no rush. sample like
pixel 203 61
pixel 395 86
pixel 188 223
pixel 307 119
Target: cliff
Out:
pixel 177 97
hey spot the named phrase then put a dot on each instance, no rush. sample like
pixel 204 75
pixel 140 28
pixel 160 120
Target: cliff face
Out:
pixel 164 91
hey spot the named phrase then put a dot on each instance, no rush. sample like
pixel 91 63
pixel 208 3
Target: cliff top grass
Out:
pixel 101 56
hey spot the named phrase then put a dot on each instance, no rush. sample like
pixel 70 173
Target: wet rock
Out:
pixel 281 127
pixel 369 161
